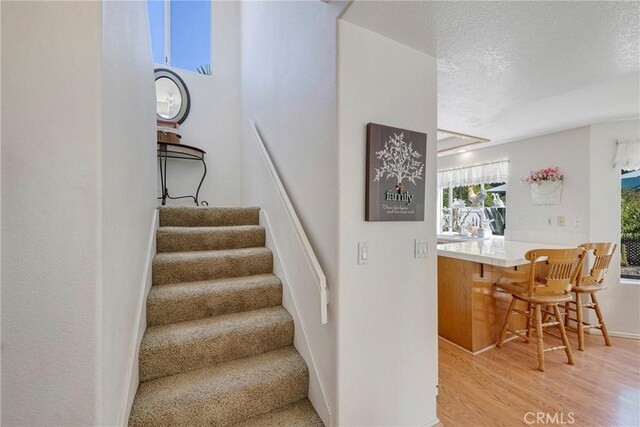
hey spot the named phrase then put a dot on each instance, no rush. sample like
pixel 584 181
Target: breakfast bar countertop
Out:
pixel 494 251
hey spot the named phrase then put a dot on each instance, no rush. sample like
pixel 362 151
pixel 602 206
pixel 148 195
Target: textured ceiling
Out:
pixel 508 70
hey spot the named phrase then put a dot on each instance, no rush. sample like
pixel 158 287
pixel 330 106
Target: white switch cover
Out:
pixel 420 248
pixel 363 252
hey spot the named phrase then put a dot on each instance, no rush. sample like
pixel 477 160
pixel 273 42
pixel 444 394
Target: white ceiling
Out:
pixel 402 21
pixel 510 70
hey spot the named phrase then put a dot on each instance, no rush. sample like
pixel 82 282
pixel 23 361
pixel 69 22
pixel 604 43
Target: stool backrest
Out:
pixel 603 252
pixel 563 266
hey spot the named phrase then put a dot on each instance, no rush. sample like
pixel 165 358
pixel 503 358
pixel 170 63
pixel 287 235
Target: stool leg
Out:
pixel 529 319
pixel 566 313
pixel 603 328
pixel 507 319
pixel 563 334
pixel 539 338
pixel 579 320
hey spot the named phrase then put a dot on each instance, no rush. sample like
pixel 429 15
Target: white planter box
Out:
pixel 546 193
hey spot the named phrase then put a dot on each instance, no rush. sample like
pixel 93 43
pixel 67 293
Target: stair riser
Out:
pixel 216 302
pixel 173 359
pixel 178 241
pixel 280 387
pixel 299 414
pixel 208 217
pixel 186 269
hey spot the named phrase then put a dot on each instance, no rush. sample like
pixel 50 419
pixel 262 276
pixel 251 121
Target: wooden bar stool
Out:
pixel 548 290
pixel 588 285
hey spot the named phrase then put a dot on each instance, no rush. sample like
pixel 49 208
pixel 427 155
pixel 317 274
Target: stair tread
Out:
pixel 224 393
pixel 176 290
pixel 185 208
pixel 178 302
pixel 218 253
pixel 184 239
pixel 177 347
pixel 297 414
pixel 175 267
pixel 173 334
pixel 208 228
pixel 207 216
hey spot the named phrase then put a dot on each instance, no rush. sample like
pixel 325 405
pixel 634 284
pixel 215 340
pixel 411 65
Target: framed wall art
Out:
pixel 395 189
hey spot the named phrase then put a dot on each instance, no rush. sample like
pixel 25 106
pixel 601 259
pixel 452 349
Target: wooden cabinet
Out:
pixel 471 309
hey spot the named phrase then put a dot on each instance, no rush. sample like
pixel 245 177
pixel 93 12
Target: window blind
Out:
pixel 483 173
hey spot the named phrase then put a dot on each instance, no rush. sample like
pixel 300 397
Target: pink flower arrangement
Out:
pixel 546 174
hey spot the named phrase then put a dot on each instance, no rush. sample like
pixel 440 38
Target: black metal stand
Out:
pixel 167 150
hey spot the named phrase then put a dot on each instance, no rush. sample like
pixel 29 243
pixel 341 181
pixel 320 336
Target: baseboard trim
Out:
pixel 433 423
pixel 279 271
pixel 511 338
pixel 615 334
pixel 625 335
pixel 132 383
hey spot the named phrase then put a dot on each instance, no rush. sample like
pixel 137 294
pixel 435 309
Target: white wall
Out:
pixel 289 90
pixel 525 222
pixel 78 200
pixel 51 212
pixel 621 301
pixel 213 123
pixel 0 215
pixel 129 171
pixel 387 348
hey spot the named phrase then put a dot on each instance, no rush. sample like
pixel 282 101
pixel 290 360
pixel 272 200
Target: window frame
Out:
pixel 167 36
pixel 626 280
pixel 450 196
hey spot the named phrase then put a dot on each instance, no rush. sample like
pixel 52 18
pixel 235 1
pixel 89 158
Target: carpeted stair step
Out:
pixel 177 267
pixel 193 216
pixel 195 300
pixel 223 394
pixel 297 414
pixel 181 239
pixel 178 347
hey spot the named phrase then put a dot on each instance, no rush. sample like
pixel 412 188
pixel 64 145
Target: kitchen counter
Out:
pixel 471 308
pixel 493 251
pixel 449 237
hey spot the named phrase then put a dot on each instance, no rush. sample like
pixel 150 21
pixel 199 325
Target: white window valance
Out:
pixel 628 154
pixel 484 173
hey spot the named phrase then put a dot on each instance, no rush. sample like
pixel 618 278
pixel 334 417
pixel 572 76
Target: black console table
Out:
pixel 169 150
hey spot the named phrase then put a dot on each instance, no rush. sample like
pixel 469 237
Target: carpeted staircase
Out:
pixel 218 349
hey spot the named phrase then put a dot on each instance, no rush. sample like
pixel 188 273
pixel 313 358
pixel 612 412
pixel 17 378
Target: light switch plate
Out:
pixel 560 220
pixel 363 252
pixel 420 248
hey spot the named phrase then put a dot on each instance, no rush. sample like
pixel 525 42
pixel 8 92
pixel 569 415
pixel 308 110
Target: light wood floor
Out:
pixel 498 387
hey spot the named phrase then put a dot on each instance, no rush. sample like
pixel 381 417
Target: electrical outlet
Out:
pixel 576 222
pixel 420 248
pixel 363 252
pixel 560 220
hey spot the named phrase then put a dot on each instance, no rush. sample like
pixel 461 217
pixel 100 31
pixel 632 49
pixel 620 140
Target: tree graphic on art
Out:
pixel 399 161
